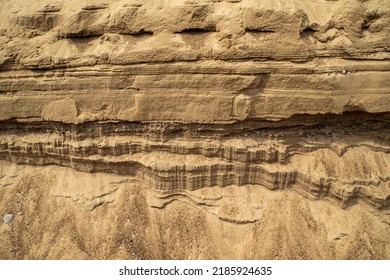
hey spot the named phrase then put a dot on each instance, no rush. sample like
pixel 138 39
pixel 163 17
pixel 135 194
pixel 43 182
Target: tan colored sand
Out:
pixel 54 219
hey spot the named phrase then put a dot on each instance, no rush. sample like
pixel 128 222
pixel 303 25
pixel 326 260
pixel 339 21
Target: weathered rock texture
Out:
pixel 195 129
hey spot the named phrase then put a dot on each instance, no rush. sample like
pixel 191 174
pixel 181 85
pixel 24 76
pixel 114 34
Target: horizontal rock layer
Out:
pixel 193 61
pixel 211 92
pixel 324 160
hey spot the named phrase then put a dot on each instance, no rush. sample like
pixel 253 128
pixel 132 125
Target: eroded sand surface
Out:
pixel 194 129
pixel 61 213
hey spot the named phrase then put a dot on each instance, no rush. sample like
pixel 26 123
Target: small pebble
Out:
pixel 8 218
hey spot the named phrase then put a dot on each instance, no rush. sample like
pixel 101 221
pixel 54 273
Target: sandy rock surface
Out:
pixel 195 129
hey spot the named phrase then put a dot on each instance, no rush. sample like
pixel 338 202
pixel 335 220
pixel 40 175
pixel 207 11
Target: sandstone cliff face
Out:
pixel 195 129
